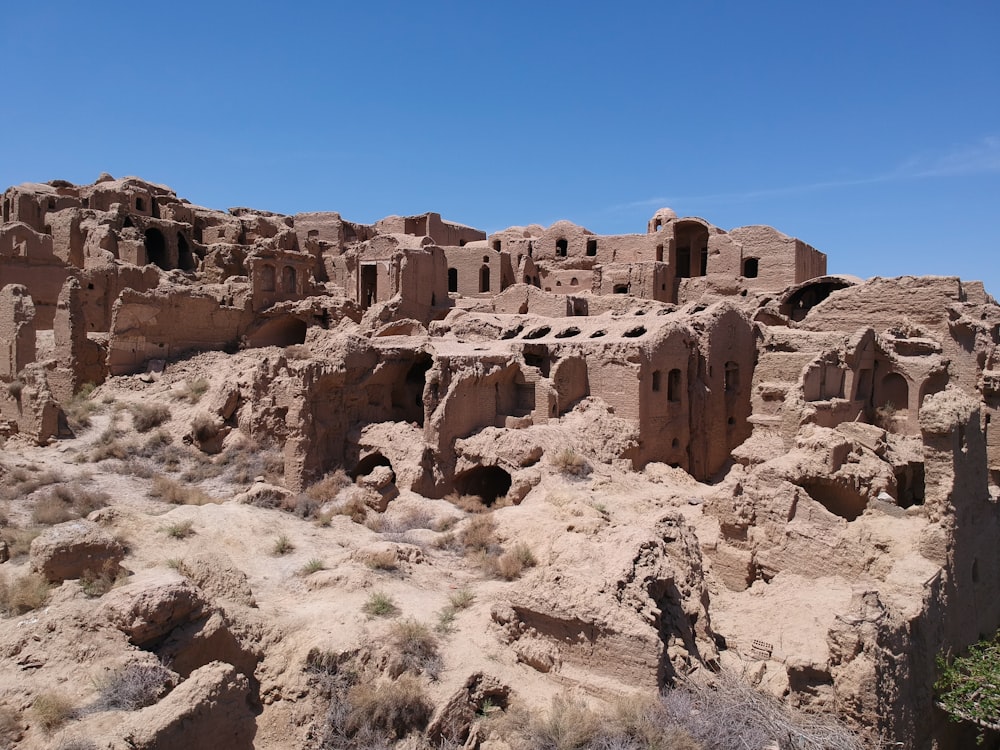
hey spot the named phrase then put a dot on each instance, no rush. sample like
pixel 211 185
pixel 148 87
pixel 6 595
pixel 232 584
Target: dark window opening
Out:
pixel 703 265
pixel 156 248
pixel 674 385
pixel 461 243
pixel 568 332
pixel 484 279
pixel 910 484
pixel 267 278
pixel 750 268
pixel 497 245
pixel 591 247
pixel 683 262
pixel 409 396
pixel 836 498
pixel 620 289
pixel 527 279
pixel 486 482
pixel 486 259
pixel 659 253
pixel 52 204
pixel 634 333
pixel 369 285
pixel 452 279
pixel 284 331
pixel 562 247
pixel 732 377
pixel 185 258
pixel 140 204
pixel 289 280
pixel 538 333
pixel 574 281
pixel 656 380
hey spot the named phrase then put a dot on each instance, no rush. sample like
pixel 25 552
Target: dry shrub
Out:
pixel 23 593
pixel 147 416
pixel 354 507
pixel 52 710
pixel 205 427
pixel 22 481
pixel 391 708
pixel 383 560
pixel 192 389
pixel 19 540
pixel 266 497
pixel 80 408
pixel 328 487
pixel 570 462
pixel 415 648
pixel 479 533
pixel 468 503
pixel 510 564
pixel 50 510
pixel 98 583
pixel 174 493
pixel 133 686
pixel 732 713
pixel 243 463
pixel 109 445
pixel 414 518
pixel 15 388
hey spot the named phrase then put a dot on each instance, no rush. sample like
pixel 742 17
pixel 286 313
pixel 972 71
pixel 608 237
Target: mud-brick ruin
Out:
pixel 839 430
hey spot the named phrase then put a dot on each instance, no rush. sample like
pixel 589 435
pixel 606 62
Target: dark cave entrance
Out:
pixel 488 482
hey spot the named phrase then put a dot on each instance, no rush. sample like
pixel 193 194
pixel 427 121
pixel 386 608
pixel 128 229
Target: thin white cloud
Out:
pixel 980 158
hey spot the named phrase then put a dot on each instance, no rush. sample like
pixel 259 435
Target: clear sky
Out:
pixel 870 130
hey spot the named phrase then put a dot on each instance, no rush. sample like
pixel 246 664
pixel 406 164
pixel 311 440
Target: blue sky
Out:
pixel 869 129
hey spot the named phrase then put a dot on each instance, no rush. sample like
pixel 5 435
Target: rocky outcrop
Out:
pixel 74 549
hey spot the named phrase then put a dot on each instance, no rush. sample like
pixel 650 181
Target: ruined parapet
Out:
pixel 17 330
pixel 78 359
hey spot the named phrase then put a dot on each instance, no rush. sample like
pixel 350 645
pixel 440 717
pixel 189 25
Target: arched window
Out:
pixel 156 248
pixel 452 279
pixel 750 268
pixel 484 279
pixel 288 280
pixel 659 253
pixel 267 278
pixel 674 385
pixel 895 392
pixel 591 248
pixel 562 247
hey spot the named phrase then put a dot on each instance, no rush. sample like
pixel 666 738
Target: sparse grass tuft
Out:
pixel 462 599
pixel 50 510
pixel 380 604
pixel 52 710
pixel 314 565
pixel 445 620
pixel 328 487
pixel 479 533
pixel 180 530
pixel 282 546
pixel 468 503
pixel 95 584
pixel 80 408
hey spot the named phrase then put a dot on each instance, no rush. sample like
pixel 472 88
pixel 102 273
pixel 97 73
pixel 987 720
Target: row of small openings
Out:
pixel 572 282
pixel 673 384
pixel 531 280
pixel 484 278
pixel 562 247
pixel 289 279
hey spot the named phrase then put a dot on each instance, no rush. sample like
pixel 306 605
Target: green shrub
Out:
pixel 380 604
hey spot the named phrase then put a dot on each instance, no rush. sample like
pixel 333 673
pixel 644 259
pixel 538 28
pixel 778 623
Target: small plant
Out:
pixel 468 503
pixel 382 560
pixel 462 599
pixel 80 408
pixel 354 507
pixel 192 389
pixel 131 687
pixel 570 462
pixel 314 565
pixel 968 685
pixel 329 486
pixel 97 583
pixel 51 710
pixel 205 427
pixel 180 530
pixel 15 388
pixel 282 546
pixel 147 416
pixel 380 604
pixel 50 510
pixel 885 416
pixel 445 620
